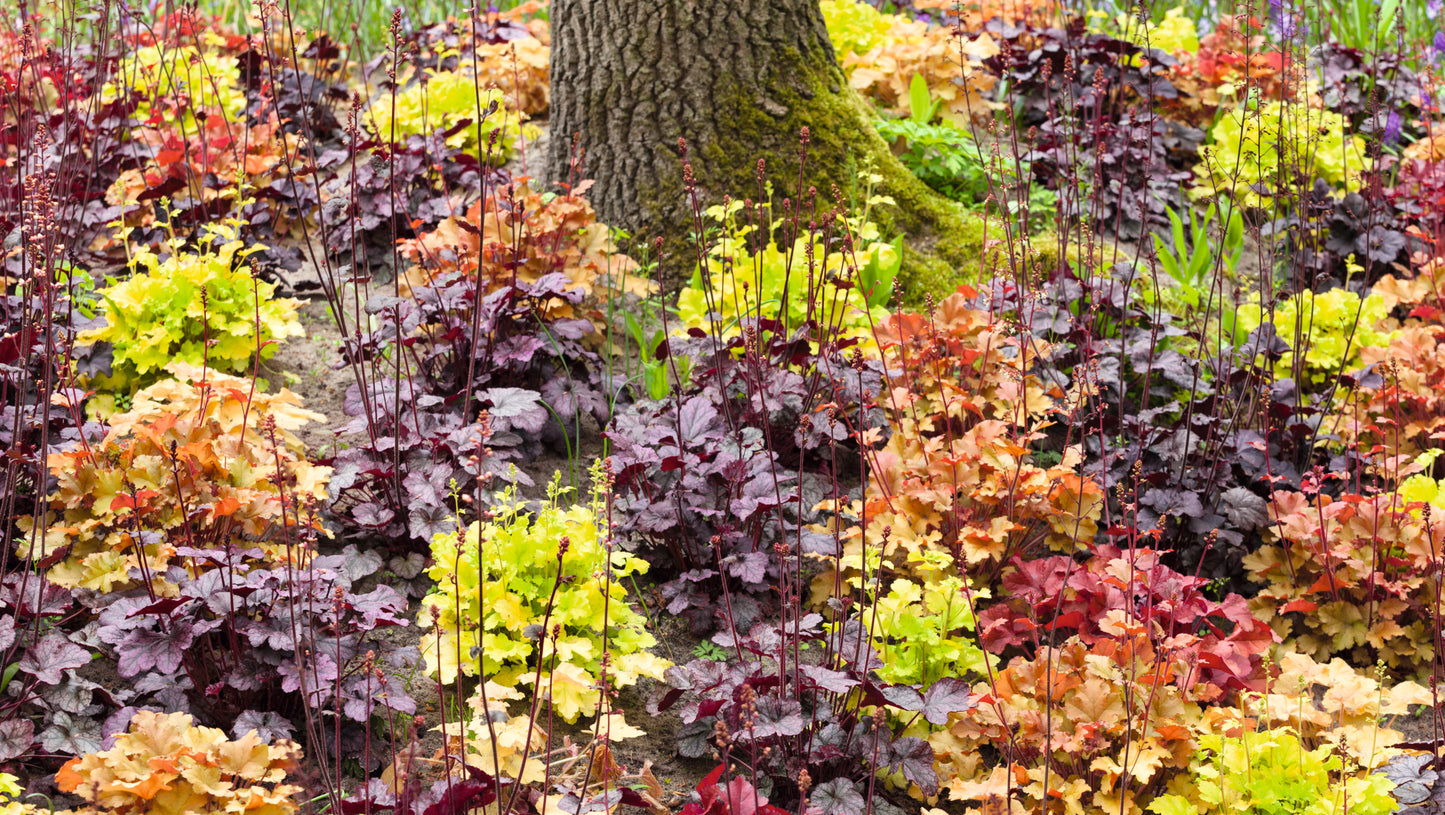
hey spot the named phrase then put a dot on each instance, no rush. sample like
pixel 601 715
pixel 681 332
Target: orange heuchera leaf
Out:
pixel 226 506
pixel 67 779
pixel 1299 605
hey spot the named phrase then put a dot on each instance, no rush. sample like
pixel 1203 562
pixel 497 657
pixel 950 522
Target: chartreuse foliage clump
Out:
pixel 747 275
pixel 1175 34
pixel 542 588
pixel 199 459
pixel 855 27
pixel 1271 772
pixel 198 307
pixel 1262 153
pixel 1330 328
pixel 10 791
pixel 165 765
pixel 441 101
pixel 174 82
pixel 923 630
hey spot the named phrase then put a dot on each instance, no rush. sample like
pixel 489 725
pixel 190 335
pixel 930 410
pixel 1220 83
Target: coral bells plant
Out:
pixel 518 233
pixel 1119 591
pixel 199 308
pixel 1102 726
pixel 964 404
pixel 533 599
pixel 1398 413
pixel 166 765
pixel 201 461
pixel 1355 575
pixel 448 101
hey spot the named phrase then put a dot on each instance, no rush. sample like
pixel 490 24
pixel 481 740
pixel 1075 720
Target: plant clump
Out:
pixel 199 461
pixel 554 571
pixel 164 764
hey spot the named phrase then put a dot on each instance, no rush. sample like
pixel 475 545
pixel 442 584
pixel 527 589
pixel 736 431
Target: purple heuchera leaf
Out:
pixel 838 797
pixel 16 736
pixel 48 659
pixel 914 757
pixel 268 726
pixel 145 649
pixel 515 409
pixel 947 695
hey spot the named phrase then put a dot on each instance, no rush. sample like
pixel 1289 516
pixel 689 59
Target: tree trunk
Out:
pixel 738 80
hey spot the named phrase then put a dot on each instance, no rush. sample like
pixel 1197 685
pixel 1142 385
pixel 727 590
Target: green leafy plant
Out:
pixel 441 100
pixel 1271 772
pixel 164 764
pixel 1190 260
pixel 175 82
pixel 743 277
pixel 198 308
pixel 710 651
pixel 655 371
pixel 533 598
pixel 943 156
pixel 1263 153
pixel 1193 257
pixel 855 27
pixel 1327 329
pixel 923 630
pixel 947 159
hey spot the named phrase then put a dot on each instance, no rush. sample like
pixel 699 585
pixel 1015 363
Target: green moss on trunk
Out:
pixel 945 242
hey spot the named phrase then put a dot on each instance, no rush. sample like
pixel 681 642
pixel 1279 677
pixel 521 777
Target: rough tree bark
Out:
pixel 738 79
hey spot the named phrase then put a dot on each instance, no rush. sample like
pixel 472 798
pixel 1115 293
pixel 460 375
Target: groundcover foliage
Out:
pixel 350 462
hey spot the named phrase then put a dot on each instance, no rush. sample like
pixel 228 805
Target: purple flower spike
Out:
pixel 1391 134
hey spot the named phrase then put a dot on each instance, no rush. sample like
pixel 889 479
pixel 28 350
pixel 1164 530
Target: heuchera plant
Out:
pixel 533 599
pixel 491 376
pixel 253 645
pixel 714 474
pixel 1271 771
pixel 1327 330
pixel 807 728
pixel 1354 575
pixel 963 404
pixel 1103 726
pixel 201 308
pixel 1129 591
pixel 1257 154
pixel 1399 412
pixel 748 275
pixel 165 764
pixel 449 101
pixel 518 233
pixel 200 461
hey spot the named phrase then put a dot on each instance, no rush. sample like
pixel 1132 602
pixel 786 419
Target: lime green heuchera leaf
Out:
pixel 440 102
pixel 494 585
pixel 158 315
pixel 1254 149
pixel 174 82
pixel 1332 327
